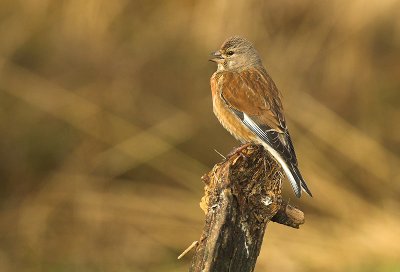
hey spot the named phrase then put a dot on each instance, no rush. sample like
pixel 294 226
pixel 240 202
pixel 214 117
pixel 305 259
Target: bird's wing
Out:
pixel 253 97
pixel 253 93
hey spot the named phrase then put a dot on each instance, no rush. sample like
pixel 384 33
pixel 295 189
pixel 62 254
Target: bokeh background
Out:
pixel 107 126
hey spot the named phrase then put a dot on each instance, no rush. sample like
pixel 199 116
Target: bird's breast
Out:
pixel 226 116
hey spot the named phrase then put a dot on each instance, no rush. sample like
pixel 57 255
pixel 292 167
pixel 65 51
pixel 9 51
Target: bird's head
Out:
pixel 236 53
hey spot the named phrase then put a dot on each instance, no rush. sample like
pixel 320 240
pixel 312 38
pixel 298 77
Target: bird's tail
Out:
pixel 300 182
pixel 292 172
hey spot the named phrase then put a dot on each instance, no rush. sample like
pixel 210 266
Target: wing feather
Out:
pixel 254 99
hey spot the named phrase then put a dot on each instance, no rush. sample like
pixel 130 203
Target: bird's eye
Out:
pixel 230 53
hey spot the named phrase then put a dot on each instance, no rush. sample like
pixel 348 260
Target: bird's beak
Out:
pixel 216 57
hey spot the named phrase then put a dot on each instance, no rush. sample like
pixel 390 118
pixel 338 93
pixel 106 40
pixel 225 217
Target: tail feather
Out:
pixel 295 182
pixel 296 173
pixel 296 185
pixel 292 172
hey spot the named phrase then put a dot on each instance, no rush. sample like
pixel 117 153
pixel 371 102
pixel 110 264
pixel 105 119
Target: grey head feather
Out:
pixel 238 54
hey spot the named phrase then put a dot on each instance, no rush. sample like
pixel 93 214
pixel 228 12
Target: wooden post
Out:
pixel 242 194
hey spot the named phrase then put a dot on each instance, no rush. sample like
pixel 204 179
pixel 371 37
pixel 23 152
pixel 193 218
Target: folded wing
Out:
pixel 254 99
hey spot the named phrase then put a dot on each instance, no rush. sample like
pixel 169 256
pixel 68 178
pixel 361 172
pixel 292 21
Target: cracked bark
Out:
pixel 242 194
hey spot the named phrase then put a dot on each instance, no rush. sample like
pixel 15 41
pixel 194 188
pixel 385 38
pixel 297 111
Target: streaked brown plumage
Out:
pixel 248 104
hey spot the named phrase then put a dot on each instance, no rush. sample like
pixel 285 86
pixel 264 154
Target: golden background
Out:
pixel 107 127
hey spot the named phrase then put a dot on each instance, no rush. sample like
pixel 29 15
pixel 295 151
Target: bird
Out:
pixel 248 104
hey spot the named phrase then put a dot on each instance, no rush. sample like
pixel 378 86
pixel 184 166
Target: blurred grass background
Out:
pixel 107 126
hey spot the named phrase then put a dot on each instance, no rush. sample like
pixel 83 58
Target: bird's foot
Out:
pixel 238 149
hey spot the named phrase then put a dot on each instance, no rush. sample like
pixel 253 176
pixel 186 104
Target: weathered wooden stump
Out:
pixel 242 194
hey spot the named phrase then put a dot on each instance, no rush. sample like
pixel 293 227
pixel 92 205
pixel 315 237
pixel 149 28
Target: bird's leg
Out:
pixel 238 149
